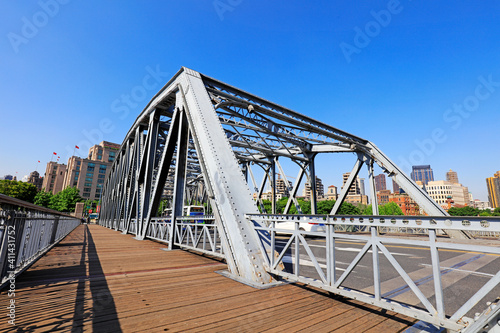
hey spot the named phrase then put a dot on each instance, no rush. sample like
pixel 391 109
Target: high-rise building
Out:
pixel 380 184
pixel 362 186
pixel 36 180
pixel 356 193
pixel 320 189
pixel 422 173
pixel 282 187
pixel 88 174
pixel 395 187
pixel 452 177
pixel 54 177
pixel 355 188
pixel 493 184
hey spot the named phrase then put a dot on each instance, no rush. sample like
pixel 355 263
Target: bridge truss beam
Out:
pixel 200 135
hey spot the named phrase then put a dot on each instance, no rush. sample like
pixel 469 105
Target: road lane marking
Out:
pixel 462 270
pixel 402 247
pixel 398 291
pixel 291 260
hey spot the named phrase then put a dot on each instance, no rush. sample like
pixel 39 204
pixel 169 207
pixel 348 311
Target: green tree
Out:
pixel 325 206
pixel 19 190
pixel 348 209
pixel 42 198
pixel 281 204
pixel 305 206
pixel 463 211
pixel 65 200
pixel 368 210
pixel 267 206
pixel 496 211
pixel 390 208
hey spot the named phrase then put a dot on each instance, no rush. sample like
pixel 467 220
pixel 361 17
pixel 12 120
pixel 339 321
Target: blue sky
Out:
pixel 66 65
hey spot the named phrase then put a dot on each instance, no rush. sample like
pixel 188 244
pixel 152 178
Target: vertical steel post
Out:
pixel 297 248
pixel 436 272
pixel 273 185
pixel 330 252
pixel 373 189
pixel 312 180
pixel 180 175
pixel 376 264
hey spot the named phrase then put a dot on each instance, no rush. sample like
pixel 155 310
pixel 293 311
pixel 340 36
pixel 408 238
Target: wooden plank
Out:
pixel 98 280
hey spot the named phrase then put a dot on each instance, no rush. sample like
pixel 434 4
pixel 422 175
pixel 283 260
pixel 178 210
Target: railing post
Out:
pixel 376 267
pixel 297 248
pixel 436 272
pixel 55 225
pixel 330 253
pixel 5 225
pixel 273 242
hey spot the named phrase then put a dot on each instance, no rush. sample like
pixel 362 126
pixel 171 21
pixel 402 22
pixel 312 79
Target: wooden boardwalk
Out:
pixel 99 280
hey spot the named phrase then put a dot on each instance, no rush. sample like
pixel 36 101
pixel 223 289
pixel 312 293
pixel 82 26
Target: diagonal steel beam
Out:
pixel 347 186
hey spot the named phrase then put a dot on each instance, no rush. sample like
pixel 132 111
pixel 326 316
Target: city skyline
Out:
pixel 425 87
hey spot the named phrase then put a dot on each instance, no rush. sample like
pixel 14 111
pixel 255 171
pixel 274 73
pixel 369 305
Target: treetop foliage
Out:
pixel 19 190
pixel 63 201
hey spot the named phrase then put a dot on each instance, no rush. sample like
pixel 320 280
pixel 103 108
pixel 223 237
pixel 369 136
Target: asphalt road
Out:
pixel 462 273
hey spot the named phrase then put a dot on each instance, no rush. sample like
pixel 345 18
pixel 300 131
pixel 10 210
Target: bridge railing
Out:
pixel 27 232
pixel 299 252
pixel 197 233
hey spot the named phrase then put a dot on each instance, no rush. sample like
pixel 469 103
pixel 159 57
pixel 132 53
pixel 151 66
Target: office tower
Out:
pixel 452 177
pixel 395 187
pixel 88 174
pixel 54 177
pixel 422 173
pixel 36 180
pixel 493 184
pixel 380 184
pixel 320 189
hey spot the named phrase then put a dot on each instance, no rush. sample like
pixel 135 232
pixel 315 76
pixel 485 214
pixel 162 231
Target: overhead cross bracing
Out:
pixel 197 141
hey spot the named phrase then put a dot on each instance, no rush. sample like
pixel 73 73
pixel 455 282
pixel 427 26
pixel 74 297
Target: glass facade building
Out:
pixel 422 173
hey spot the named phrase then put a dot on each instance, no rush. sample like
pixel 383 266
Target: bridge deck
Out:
pixel 102 281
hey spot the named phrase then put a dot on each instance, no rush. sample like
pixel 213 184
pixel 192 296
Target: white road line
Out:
pixel 291 260
pixel 355 249
pixel 461 270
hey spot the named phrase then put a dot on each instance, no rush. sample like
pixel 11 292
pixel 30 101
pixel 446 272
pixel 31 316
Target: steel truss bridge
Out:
pixel 198 141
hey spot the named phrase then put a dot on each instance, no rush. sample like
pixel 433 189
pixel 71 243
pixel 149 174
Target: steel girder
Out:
pixel 198 130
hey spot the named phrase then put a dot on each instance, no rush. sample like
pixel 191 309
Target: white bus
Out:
pixel 188 211
pixel 194 210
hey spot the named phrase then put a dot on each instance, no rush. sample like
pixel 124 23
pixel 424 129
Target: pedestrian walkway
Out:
pixel 98 280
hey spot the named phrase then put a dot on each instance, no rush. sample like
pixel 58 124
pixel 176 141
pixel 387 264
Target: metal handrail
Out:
pixel 27 232
pixel 373 241
pixel 197 233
